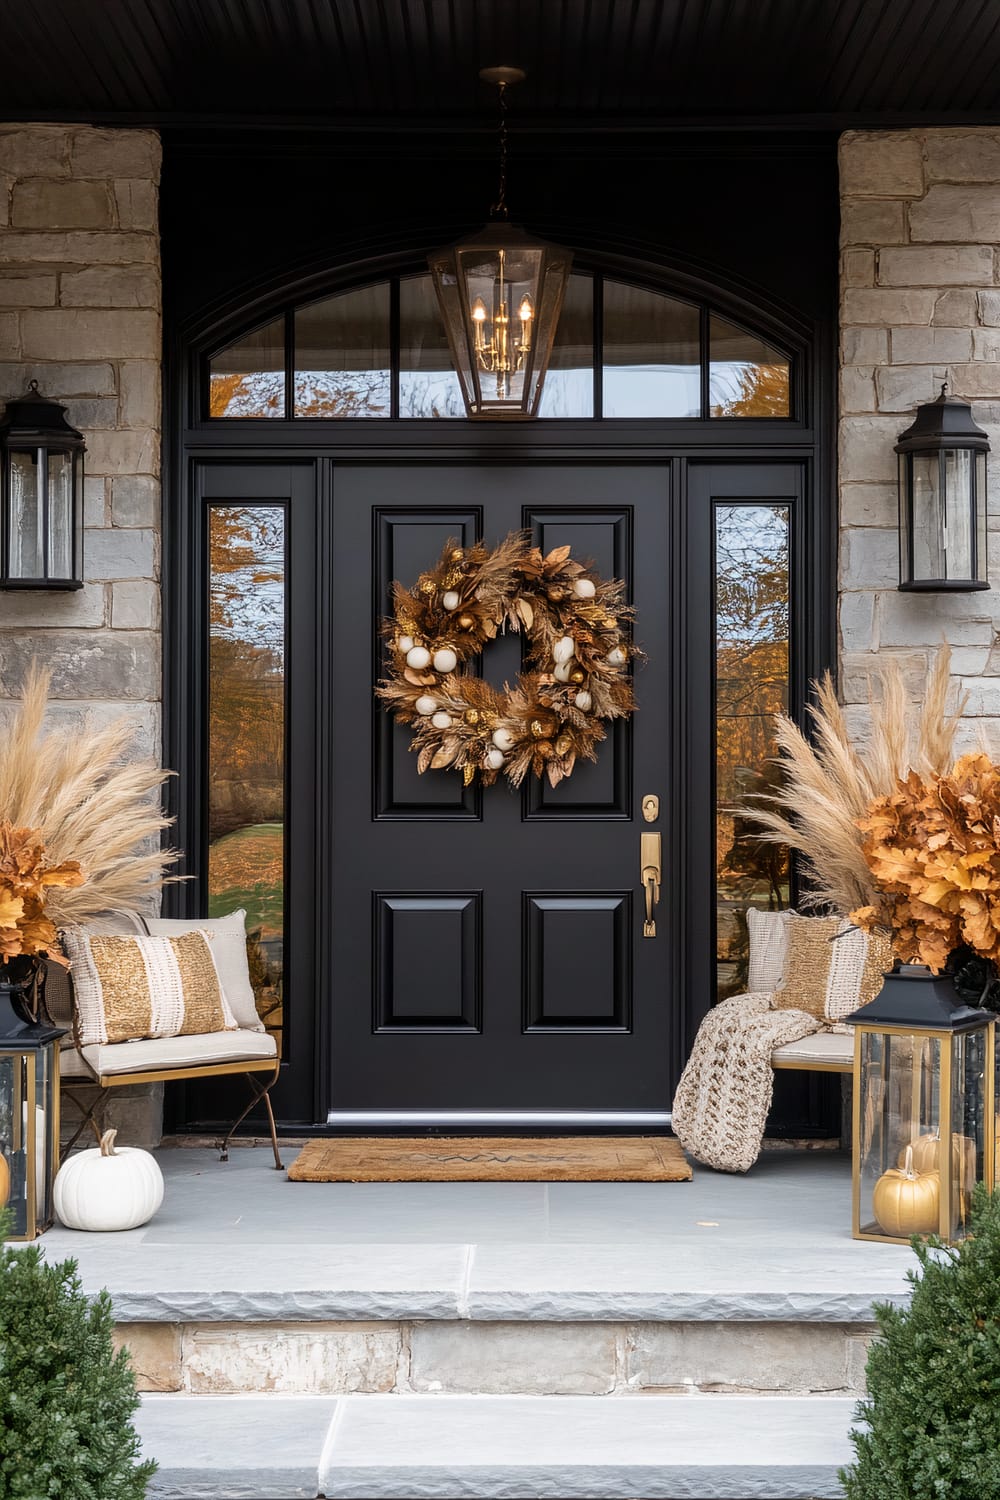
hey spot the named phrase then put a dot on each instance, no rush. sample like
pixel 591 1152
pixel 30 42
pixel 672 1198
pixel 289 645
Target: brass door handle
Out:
pixel 649 859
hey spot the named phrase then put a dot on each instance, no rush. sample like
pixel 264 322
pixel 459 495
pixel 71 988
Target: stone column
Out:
pixel 920 304
pixel 80 313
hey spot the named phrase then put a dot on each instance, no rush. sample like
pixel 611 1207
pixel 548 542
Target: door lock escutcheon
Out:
pixel 650 860
pixel 651 807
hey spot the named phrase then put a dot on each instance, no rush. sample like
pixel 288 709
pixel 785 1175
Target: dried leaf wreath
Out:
pixel 579 649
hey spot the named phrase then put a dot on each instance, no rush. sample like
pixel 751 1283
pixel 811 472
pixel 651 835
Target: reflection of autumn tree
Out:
pixel 761 391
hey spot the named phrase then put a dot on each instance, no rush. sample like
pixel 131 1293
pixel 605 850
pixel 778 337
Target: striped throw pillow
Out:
pixel 831 968
pixel 131 988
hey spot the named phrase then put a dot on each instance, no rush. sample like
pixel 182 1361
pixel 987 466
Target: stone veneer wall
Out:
pixel 920 304
pixel 80 313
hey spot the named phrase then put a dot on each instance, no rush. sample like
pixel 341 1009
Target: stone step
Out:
pixel 397 1447
pixel 468 1357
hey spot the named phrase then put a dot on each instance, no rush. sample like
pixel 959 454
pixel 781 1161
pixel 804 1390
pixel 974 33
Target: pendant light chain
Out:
pixel 499 209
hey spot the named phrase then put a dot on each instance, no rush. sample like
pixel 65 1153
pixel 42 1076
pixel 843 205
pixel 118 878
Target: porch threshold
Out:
pixel 237 1242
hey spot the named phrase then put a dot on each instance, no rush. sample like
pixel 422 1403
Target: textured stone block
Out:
pixel 140 392
pixel 133 451
pixel 23 289
pixel 901 388
pixel 938 265
pixel 80 609
pixel 858 268
pixel 120 553
pixel 881 164
pixel 110 286
pixel 869 558
pixel 866 449
pixel 135 605
pixel 154 1352
pixel 869 221
pixel 71 333
pixel 513 1358
pixel 977 379
pixel 982 697
pixel 105 664
pixel 861 679
pixel 986 343
pixel 962 155
pixel 313 1358
pixel 135 500
pixel 136 199
pixel 136 1112
pixel 44 203
pixel 928 346
pixel 989 308
pixel 857 388
pixel 10 335
pixel 115 153
pixel 97 379
pixel 857 622
pixel 31 247
pixel 39 151
pixel 927 619
pixel 957 214
pixel 884 308
pixel 869 505
pixel 956 309
pixel 91 412
pixel 95 502
pixel 740 1357
pixel 864 346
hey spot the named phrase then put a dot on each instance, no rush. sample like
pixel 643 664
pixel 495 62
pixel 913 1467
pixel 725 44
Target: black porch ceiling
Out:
pixel 591 63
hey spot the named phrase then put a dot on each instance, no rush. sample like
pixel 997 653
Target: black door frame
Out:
pixel 807 439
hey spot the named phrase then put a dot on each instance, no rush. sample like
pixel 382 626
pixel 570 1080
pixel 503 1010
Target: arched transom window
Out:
pixel 379 352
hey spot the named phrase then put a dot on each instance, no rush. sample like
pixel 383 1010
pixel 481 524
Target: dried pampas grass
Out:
pixel 88 803
pixel 829 782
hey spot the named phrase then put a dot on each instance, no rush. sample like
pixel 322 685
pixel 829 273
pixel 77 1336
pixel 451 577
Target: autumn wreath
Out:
pixel 578 677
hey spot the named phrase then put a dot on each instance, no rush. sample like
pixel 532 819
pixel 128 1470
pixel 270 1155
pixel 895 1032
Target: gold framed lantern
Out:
pixel 924 1126
pixel 29 1115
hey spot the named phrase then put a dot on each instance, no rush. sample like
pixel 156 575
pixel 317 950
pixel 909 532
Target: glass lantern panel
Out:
pixel 342 360
pixel 428 384
pixel 982 544
pixel 968 1126
pixel 959 514
pixel 12 1142
pixel 60 518
pixel 652 354
pixel 43 1134
pixel 247 379
pixel 747 377
pixel 900 1107
pixel 929 517
pixel 26 559
pixel 569 384
pixel 503 297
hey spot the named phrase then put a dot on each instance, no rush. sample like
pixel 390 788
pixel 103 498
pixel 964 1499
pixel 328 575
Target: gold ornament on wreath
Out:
pixel 577 676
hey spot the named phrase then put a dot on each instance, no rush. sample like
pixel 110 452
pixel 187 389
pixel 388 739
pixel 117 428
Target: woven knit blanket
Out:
pixel 721 1105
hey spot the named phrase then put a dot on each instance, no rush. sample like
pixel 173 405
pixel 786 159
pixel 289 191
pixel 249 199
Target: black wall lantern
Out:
pixel 942 499
pixel 41 495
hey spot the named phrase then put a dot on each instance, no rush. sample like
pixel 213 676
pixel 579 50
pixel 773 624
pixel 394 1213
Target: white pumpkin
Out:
pixel 104 1189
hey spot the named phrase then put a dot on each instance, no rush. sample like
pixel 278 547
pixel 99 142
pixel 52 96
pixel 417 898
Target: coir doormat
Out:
pixel 474 1158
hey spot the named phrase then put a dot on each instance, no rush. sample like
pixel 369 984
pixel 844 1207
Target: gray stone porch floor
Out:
pixel 773 1245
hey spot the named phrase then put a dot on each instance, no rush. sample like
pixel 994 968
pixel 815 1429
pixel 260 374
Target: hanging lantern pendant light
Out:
pixel 500 294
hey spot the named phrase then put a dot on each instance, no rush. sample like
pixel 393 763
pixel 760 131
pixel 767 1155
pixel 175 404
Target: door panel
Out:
pixel 488 952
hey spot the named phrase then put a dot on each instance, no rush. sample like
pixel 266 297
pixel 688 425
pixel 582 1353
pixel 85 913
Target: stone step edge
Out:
pixel 405 1447
pixel 465 1358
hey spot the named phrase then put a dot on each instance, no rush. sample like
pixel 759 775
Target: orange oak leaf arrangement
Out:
pixel 933 847
pixel 26 932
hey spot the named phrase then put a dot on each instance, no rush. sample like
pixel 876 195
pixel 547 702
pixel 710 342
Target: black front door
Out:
pixel 488 962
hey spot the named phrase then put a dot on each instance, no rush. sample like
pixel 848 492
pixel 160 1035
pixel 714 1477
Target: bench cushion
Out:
pixel 178 1052
pixel 831 1048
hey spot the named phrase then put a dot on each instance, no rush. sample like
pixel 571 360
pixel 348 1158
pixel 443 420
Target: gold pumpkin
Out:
pixel 907 1202
pixel 4 1180
pixel 927 1157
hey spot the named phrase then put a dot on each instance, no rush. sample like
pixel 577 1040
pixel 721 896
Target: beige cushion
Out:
pixel 768 932
pixel 140 986
pixel 831 967
pixel 229 947
pixel 180 1052
pixel 58 985
pixel 828 1047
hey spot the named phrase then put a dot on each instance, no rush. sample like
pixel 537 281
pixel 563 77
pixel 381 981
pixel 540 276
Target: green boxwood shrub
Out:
pixel 932 1413
pixel 66 1398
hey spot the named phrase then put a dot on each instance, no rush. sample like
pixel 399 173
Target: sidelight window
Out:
pixel 621 351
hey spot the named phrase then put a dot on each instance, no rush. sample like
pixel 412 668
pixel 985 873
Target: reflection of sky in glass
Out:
pixel 751 556
pixel 247 589
pixel 652 390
